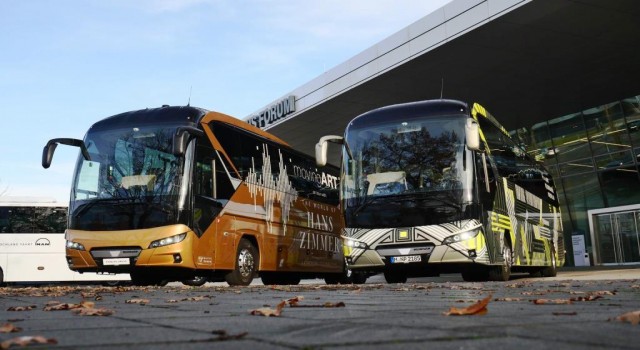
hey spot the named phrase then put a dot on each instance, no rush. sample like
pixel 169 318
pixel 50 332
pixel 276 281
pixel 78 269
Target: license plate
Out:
pixel 405 259
pixel 115 261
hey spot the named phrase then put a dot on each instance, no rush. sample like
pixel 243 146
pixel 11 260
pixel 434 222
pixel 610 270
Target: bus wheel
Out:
pixel 246 263
pixel 502 272
pixel 196 281
pixel 395 276
pixel 361 278
pixel 2 284
pixel 550 271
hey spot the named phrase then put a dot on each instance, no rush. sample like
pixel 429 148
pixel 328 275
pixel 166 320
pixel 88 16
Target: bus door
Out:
pixel 211 190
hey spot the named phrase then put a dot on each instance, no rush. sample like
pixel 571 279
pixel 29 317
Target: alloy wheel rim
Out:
pixel 245 263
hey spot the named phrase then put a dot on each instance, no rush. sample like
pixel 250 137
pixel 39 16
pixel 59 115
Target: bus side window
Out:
pixel 501 149
pixel 4 220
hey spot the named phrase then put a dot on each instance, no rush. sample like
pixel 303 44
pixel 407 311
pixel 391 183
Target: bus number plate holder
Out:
pixel 115 261
pixel 405 259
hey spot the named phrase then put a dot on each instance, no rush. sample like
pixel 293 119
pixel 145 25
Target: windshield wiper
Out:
pixel 432 200
pixel 85 207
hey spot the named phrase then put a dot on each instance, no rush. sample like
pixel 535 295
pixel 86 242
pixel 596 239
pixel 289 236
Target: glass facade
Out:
pixel 594 156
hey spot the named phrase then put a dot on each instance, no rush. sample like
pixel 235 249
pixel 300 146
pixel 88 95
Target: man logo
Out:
pixel 42 242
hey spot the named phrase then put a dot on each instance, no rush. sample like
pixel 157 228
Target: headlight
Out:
pixel 355 244
pixel 461 237
pixel 75 245
pixel 169 240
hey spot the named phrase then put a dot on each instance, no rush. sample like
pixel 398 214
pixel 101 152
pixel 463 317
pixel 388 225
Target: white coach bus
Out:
pixel 32 243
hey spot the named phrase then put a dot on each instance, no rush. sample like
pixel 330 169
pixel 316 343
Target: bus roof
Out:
pixel 186 115
pixel 217 116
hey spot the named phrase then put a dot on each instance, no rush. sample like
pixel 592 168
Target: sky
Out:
pixel 66 64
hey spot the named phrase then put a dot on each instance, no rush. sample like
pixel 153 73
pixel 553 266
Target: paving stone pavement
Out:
pixel 578 313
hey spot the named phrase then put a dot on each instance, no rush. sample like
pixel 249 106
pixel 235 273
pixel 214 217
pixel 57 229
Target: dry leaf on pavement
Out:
pixel 632 317
pixel 294 301
pixel 137 301
pixel 266 311
pixel 478 308
pixel 27 340
pixel 22 308
pixel 93 312
pixel 9 328
pixel 69 306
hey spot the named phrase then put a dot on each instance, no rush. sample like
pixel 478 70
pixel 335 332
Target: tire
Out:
pixel 246 265
pixel 196 281
pixel 361 278
pixel 395 276
pixel 502 272
pixel 2 284
pixel 550 271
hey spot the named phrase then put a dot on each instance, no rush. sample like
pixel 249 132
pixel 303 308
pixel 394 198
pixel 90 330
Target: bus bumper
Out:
pixel 124 251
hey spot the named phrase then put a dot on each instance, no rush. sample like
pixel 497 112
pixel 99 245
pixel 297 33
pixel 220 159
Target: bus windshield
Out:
pixel 131 181
pixel 406 171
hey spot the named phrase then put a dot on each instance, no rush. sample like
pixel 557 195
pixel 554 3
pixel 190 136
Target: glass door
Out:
pixel 618 237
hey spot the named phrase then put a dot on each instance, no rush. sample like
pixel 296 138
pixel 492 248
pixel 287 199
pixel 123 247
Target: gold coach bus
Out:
pixel 185 194
pixel 438 186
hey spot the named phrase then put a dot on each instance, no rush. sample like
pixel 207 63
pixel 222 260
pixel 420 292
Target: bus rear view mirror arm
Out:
pixel 182 136
pixel 321 148
pixel 47 152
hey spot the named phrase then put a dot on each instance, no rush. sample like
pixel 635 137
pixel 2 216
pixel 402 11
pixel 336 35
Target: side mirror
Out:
pixel 49 149
pixel 182 136
pixel 472 133
pixel 321 148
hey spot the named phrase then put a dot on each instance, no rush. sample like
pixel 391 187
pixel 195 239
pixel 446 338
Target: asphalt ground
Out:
pixel 575 310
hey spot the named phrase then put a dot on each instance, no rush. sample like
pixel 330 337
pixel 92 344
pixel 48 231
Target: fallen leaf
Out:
pixel 137 301
pixel 171 301
pixel 478 308
pixel 68 306
pixel 27 340
pixel 22 308
pixel 9 328
pixel 294 301
pixel 632 317
pixel 93 312
pixel 604 292
pixel 268 312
